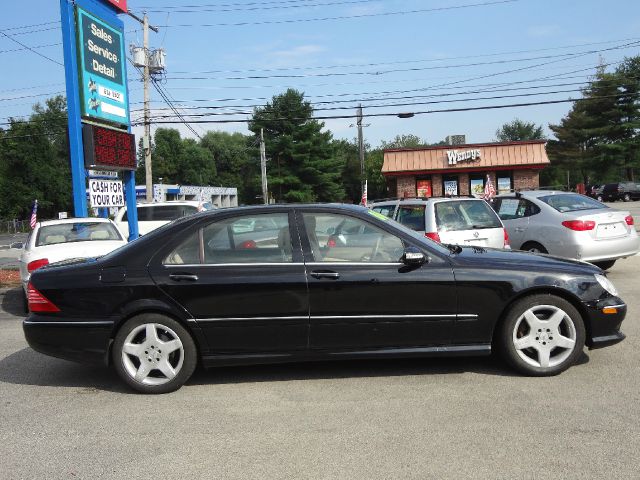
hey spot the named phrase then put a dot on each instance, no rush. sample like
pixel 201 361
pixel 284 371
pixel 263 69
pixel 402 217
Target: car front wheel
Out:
pixel 542 335
pixel 154 354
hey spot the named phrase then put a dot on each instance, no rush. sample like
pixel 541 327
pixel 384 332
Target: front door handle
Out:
pixel 332 275
pixel 179 277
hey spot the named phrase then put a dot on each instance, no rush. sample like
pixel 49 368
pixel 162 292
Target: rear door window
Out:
pixel 412 216
pixel 386 210
pixel 465 215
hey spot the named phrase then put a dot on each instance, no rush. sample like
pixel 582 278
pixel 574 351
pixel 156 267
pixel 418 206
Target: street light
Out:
pixel 406 115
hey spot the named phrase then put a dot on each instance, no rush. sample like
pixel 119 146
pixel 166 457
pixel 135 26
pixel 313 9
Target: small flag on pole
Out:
pixel 364 195
pixel 489 189
pixel 34 215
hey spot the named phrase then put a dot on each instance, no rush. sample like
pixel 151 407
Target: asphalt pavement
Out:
pixel 424 419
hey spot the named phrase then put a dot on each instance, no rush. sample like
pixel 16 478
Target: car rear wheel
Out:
pixel 533 247
pixel 626 197
pixel 542 335
pixel 154 354
pixel 605 265
pixel 599 198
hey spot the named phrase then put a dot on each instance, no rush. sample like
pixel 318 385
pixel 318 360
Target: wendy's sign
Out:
pixel 118 5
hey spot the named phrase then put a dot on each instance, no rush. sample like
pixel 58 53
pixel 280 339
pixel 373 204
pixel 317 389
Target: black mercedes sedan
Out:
pixel 265 284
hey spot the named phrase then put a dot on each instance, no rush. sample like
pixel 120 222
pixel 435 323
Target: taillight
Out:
pixel 506 238
pixel 628 219
pixel 331 242
pixel 579 225
pixel 433 236
pixel 38 302
pixel 248 244
pixel 36 264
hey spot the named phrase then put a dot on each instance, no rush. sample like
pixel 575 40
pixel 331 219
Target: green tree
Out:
pixel 302 164
pixel 518 130
pixel 34 163
pixel 404 141
pixel 237 160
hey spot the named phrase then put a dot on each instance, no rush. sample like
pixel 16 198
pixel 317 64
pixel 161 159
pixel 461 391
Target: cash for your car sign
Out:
pixel 105 193
pixel 102 71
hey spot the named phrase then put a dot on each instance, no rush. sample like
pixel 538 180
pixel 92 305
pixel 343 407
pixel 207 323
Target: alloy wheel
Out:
pixel 152 354
pixel 544 336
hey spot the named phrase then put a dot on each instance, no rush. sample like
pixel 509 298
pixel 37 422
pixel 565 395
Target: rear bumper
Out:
pixel 611 249
pixel 70 339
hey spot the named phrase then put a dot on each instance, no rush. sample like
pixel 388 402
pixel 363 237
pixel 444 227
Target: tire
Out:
pixel 605 265
pixel 141 341
pixel 626 197
pixel 542 335
pixel 25 302
pixel 599 198
pixel 533 247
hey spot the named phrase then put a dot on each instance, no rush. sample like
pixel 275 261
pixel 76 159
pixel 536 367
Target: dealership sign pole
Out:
pixel 98 98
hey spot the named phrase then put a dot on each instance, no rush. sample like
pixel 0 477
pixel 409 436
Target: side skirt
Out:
pixel 221 360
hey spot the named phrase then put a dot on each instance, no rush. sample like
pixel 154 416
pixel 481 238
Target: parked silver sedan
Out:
pixel 567 225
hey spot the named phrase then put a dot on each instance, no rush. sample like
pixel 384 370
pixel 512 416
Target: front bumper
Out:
pixel 603 329
pixel 70 339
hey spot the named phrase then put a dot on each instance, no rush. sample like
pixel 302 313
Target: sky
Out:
pixel 391 56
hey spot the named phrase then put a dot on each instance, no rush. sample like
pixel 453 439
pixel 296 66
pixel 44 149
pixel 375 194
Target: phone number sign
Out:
pixel 102 70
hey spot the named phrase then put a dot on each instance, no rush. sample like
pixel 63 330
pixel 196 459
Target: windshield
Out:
pixel 77 232
pixel 571 202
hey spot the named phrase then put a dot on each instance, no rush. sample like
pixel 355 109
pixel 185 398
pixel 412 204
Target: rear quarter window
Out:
pixel 412 216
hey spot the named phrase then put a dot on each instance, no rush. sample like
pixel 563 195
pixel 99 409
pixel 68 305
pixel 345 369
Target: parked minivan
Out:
pixel 154 215
pixel 451 220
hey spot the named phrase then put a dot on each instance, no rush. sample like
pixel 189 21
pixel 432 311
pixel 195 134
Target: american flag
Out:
pixel 489 189
pixel 363 201
pixel 34 215
pixel 201 201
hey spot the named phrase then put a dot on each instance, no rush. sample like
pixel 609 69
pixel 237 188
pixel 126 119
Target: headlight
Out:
pixel 607 284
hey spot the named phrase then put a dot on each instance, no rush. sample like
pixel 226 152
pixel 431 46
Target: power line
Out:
pixel 35 46
pixel 30 49
pixel 22 27
pixel 400 62
pixel 247 7
pixel 344 17
pixel 425 112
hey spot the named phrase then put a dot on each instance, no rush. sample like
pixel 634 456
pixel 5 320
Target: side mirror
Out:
pixel 413 257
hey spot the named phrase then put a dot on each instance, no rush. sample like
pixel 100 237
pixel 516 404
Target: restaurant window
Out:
pixel 450 185
pixel 423 187
pixel 476 185
pixel 504 182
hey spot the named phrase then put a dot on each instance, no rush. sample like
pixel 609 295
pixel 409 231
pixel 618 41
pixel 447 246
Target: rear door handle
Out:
pixel 319 275
pixel 179 277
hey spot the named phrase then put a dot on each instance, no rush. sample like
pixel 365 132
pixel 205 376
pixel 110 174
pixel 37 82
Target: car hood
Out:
pixel 518 260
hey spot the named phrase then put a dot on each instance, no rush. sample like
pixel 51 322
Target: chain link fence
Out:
pixel 14 226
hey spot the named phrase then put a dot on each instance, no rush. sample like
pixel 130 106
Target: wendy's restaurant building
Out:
pixel 463 169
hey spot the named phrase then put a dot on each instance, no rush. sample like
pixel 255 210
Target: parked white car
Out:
pixel 155 215
pixel 56 240
pixel 463 221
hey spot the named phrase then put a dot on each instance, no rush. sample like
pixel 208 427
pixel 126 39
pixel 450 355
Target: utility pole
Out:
pixel 361 149
pixel 263 168
pixel 147 124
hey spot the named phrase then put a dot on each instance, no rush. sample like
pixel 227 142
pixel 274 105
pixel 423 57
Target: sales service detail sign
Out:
pixel 103 77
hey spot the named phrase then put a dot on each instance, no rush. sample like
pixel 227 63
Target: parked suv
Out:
pixel 455 220
pixel 154 215
pixel 625 191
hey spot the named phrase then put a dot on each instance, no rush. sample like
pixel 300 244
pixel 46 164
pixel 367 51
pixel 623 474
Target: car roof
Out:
pixel 422 200
pixel 46 223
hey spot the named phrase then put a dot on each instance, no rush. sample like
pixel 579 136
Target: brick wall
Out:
pixel 463 184
pixel 406 187
pixel 526 179
pixel 436 185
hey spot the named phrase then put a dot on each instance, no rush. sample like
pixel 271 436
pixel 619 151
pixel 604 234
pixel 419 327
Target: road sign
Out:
pixel 102 70
pixel 106 193
pixel 119 5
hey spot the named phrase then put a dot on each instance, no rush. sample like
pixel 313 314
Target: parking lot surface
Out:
pixel 429 418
